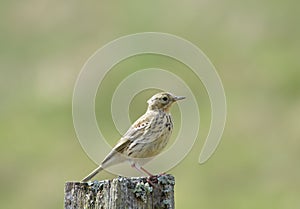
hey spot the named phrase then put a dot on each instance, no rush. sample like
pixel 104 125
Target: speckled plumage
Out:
pixel 146 138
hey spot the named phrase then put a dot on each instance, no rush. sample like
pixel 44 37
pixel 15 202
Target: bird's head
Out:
pixel 162 101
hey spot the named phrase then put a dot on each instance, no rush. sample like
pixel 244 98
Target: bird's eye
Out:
pixel 165 99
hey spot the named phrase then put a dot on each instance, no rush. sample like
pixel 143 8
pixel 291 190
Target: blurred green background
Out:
pixel 254 46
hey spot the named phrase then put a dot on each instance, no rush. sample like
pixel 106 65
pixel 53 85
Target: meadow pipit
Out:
pixel 146 138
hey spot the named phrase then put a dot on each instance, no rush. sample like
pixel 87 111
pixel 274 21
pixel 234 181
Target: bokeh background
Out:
pixel 254 46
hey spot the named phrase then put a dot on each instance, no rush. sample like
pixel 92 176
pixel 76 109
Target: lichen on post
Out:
pixel 136 192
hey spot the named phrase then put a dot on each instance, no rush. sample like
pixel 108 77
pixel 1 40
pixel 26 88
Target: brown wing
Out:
pixel 134 132
pixel 138 129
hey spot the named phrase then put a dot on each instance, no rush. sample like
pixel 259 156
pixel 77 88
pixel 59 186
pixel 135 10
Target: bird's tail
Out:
pixel 91 175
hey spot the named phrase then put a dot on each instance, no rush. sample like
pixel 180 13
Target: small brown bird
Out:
pixel 146 138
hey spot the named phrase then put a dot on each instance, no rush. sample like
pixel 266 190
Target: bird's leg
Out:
pixel 143 170
pixel 147 172
pixel 140 169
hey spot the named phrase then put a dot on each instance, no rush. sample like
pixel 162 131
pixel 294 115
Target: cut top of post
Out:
pixel 122 192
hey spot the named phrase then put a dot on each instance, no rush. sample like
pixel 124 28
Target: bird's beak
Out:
pixel 176 98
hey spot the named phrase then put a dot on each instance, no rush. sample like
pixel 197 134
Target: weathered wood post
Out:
pixel 121 192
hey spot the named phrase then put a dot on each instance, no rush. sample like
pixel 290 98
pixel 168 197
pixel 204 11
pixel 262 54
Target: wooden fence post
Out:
pixel 122 193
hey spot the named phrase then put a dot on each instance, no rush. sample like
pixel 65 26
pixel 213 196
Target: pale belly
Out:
pixel 157 146
pixel 147 150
